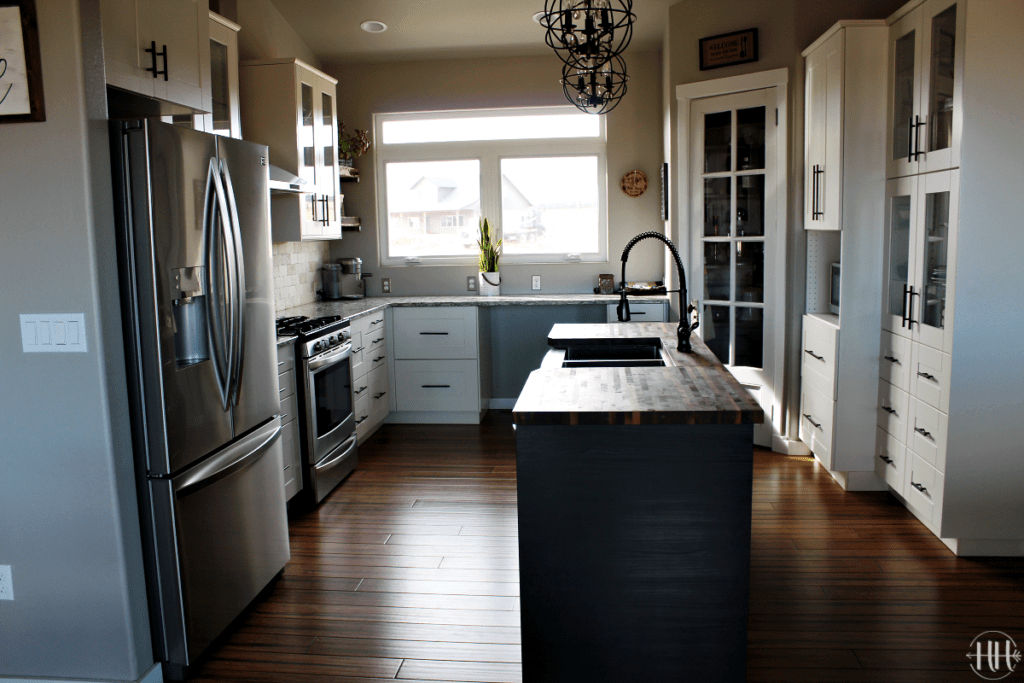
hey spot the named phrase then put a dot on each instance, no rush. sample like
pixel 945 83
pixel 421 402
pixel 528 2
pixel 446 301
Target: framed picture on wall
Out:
pixel 21 72
pixel 727 49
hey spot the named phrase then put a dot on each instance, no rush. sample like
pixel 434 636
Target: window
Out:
pixel 539 175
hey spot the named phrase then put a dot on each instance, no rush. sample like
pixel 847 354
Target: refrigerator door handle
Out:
pixel 232 459
pixel 215 218
pixel 238 302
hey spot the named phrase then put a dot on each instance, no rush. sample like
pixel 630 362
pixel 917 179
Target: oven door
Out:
pixel 329 417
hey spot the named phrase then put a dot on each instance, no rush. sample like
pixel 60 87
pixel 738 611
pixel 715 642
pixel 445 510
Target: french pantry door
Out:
pixel 734 235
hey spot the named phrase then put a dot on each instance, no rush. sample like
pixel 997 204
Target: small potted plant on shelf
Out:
pixel 490 252
pixel 351 146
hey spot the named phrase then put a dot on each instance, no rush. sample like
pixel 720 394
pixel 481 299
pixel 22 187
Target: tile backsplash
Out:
pixel 297 272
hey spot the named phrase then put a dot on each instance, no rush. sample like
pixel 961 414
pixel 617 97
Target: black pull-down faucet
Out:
pixel 685 327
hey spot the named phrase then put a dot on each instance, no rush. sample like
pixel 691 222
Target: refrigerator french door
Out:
pixel 198 315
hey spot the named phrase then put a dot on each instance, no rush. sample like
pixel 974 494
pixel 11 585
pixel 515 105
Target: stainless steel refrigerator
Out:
pixel 198 314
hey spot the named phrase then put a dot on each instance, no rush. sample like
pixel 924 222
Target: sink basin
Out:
pixel 614 356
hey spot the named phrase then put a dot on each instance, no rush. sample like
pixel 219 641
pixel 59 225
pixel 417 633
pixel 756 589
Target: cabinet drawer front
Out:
pixel 929 377
pixel 361 388
pixel 820 342
pixel 810 377
pixel 816 411
pixel 436 332
pixel 358 357
pixel 923 489
pixel 927 433
pixel 376 357
pixel 639 312
pixel 362 411
pixel 893 409
pixel 890 459
pixel 380 401
pixel 289 409
pixel 286 384
pixel 437 385
pixel 895 360
pixel 286 357
pixel 292 469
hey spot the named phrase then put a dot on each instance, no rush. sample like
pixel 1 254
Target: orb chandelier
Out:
pixel 595 89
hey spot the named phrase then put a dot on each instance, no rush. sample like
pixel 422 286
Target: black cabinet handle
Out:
pixel 910 141
pixel 437 334
pixel 814 355
pixel 377 341
pixel 379 395
pixel 437 386
pixel 358 350
pixel 811 420
pixel 919 487
pixel 163 53
pixel 360 390
pixel 910 311
pixel 923 432
pixel 889 410
pixel 816 211
pixel 379 358
pixel 885 459
pixel 927 376
pixel 361 420
pixel 377 321
pixel 892 360
pixel 917 137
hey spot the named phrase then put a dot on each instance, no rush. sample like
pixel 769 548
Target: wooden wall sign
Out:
pixel 21 73
pixel 738 47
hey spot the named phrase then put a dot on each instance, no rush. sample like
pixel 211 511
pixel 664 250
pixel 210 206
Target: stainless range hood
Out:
pixel 283 182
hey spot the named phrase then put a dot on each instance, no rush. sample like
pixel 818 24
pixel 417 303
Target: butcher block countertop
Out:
pixel 697 390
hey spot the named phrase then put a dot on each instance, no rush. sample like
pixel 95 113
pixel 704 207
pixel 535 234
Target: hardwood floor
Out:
pixel 409 570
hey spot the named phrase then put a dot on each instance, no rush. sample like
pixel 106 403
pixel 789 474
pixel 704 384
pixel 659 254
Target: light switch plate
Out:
pixel 471 283
pixel 53 333
pixel 536 282
pixel 385 285
pixel 6 588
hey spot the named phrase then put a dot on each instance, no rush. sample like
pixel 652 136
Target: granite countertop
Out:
pixel 697 390
pixel 354 308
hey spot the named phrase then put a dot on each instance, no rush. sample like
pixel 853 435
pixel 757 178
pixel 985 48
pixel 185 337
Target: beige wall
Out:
pixel 266 34
pixel 634 141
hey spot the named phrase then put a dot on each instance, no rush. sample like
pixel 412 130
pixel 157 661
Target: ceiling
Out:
pixel 440 29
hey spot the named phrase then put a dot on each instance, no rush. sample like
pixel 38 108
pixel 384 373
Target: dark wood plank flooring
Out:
pixel 409 570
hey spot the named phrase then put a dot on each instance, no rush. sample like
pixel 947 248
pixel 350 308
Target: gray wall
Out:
pixel 266 34
pixel 634 141
pixel 68 517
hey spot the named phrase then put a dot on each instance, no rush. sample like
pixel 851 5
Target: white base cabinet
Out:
pixel 370 384
pixel 290 438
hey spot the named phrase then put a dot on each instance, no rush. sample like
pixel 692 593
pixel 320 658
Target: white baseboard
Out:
pixel 856 481
pixel 986 547
pixel 781 444
pixel 154 675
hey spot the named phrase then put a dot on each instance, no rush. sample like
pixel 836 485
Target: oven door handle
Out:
pixel 330 359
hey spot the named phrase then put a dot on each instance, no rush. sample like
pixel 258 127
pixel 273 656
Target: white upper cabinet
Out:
pixel 926 88
pixel 159 48
pixel 824 130
pixel 225 116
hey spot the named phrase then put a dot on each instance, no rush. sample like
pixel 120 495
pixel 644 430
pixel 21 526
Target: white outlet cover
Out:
pixel 536 281
pixel 6 588
pixel 53 333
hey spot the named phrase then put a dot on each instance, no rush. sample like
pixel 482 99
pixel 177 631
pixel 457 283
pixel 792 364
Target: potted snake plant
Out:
pixel 490 252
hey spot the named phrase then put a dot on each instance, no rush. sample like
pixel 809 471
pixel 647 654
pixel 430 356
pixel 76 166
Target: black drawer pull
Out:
pixel 889 410
pixel 379 395
pixel 811 420
pixel 378 321
pixel 927 376
pixel 923 432
pixel 887 460
pixel 379 358
pixel 358 350
pixel 360 390
pixel 919 487
pixel 436 386
pixel 814 355
pixel 361 420
pixel 375 341
pixel 892 360
pixel 438 334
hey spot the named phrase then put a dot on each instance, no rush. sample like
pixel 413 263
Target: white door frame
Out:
pixel 685 95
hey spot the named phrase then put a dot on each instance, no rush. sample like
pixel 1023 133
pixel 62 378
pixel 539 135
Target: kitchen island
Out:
pixel 634 492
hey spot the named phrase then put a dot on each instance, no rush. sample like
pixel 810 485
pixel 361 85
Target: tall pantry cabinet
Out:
pixel 950 412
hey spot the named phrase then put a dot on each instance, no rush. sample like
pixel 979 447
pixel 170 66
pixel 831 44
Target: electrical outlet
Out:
pixel 6 588
pixel 385 285
pixel 536 282
pixel 471 283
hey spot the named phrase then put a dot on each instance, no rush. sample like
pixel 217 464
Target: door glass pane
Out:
pixel 327 117
pixel 899 252
pixel 750 206
pixel 715 331
pixel 750 138
pixel 718 142
pixel 307 169
pixel 903 96
pixel 219 86
pixel 548 205
pixel 936 224
pixel 940 99
pixel 433 207
pixel 717 207
pixel 750 272
pixel 749 337
pixel 717 276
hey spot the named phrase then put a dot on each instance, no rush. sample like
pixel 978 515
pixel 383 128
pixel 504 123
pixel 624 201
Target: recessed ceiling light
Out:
pixel 374 26
pixel 538 16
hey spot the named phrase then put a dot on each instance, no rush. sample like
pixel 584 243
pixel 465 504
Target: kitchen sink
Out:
pixel 614 356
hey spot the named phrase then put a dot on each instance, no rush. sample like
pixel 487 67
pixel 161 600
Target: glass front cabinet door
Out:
pixel 925 89
pixel 900 219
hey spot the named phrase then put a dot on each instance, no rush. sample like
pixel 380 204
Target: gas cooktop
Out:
pixel 305 327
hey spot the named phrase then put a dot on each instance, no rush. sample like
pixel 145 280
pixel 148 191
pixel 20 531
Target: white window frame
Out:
pixel 489 153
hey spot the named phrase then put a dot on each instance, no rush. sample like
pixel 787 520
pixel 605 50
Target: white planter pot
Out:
pixel 490 284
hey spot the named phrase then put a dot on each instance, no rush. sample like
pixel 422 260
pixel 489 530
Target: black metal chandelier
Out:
pixel 589 37
pixel 595 90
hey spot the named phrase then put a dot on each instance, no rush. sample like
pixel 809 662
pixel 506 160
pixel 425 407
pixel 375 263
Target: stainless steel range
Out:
pixel 323 355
